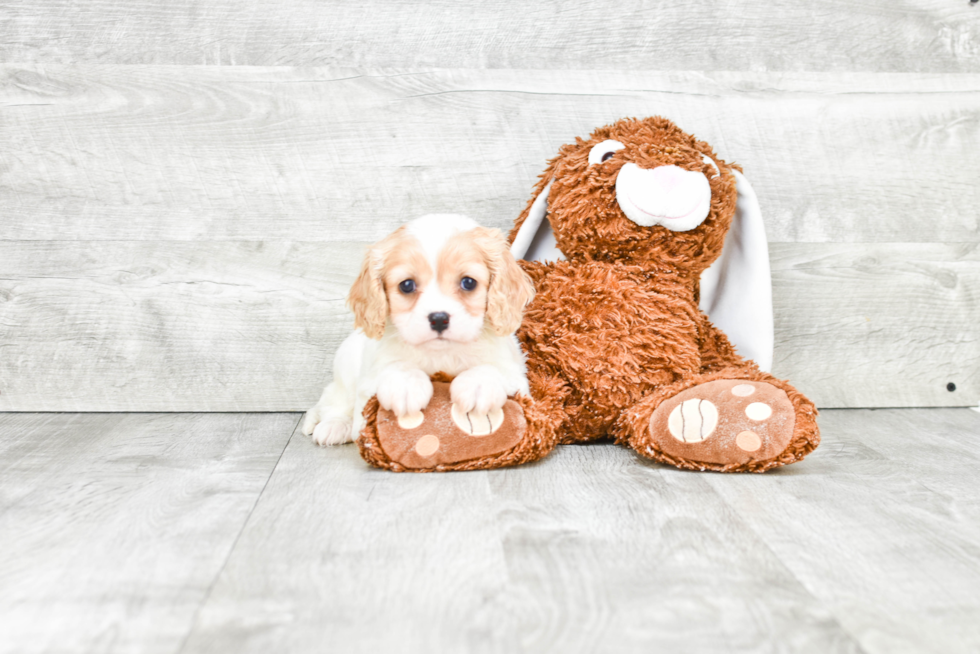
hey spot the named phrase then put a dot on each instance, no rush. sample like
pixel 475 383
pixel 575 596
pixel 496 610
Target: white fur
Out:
pixel 488 368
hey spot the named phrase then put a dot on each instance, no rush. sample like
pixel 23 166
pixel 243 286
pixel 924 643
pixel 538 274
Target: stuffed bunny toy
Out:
pixel 645 249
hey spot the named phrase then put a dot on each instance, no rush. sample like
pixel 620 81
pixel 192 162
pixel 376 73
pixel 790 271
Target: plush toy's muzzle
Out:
pixel 670 196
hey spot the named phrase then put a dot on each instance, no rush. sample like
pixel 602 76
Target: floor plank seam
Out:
pixel 234 544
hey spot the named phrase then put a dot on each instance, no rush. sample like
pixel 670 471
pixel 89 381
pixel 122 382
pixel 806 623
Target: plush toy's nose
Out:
pixel 439 321
pixel 670 196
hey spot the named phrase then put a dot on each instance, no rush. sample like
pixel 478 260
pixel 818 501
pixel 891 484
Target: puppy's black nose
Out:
pixel 439 321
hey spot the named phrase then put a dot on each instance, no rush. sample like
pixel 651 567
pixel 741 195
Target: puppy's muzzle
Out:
pixel 439 321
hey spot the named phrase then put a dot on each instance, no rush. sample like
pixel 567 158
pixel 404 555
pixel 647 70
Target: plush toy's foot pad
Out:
pixel 442 435
pixel 724 423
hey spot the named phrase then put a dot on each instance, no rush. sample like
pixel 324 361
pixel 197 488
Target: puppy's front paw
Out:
pixel 405 392
pixel 311 420
pixel 478 390
pixel 332 432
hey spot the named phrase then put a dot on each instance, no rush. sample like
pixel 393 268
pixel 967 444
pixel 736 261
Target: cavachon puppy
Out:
pixel 439 295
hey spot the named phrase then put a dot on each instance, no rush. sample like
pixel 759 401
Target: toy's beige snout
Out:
pixel 670 196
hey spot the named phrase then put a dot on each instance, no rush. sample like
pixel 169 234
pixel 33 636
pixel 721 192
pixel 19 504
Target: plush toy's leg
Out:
pixel 732 420
pixel 441 438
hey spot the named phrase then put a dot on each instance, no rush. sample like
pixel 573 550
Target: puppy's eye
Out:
pixel 467 283
pixel 407 286
pixel 603 151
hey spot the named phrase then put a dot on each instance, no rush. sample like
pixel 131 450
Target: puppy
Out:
pixel 440 294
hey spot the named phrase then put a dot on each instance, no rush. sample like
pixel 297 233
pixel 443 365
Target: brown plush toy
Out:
pixel 616 344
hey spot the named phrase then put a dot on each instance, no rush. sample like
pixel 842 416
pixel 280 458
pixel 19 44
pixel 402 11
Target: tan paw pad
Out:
pixel 748 441
pixel 411 420
pixel 743 390
pixel 476 424
pixel 427 445
pixel 693 420
pixel 758 411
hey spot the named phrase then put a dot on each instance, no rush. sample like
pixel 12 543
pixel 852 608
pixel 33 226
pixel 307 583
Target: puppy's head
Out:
pixel 440 279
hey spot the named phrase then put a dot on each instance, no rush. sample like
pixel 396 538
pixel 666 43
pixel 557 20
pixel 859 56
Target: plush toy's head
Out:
pixel 639 191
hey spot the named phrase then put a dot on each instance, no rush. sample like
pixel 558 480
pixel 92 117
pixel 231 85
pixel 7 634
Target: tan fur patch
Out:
pixel 405 260
pixel 462 257
pixel 375 292
pixel 511 289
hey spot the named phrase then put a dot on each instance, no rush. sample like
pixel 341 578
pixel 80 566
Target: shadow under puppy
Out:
pixel 441 294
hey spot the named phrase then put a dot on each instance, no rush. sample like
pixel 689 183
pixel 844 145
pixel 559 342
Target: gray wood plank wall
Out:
pixel 820 35
pixel 180 237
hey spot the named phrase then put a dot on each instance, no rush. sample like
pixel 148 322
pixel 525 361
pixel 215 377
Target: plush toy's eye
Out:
pixel 603 151
pixel 708 160
pixel 407 287
pixel 467 283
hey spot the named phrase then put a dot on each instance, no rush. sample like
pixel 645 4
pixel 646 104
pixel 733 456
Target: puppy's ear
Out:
pixel 367 297
pixel 510 287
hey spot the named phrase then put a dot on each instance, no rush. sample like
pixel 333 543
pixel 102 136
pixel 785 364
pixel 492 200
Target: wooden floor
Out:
pixel 233 533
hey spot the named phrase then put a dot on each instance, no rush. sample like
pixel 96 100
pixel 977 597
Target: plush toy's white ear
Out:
pixel 736 291
pixel 535 241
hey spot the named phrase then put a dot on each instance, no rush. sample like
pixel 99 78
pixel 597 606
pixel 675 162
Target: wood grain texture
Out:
pixel 113 527
pixel 881 524
pixel 878 325
pixel 869 545
pixel 122 326
pixel 343 557
pixel 184 326
pixel 588 551
pixel 166 533
pixel 878 35
pixel 641 558
pixel 322 154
